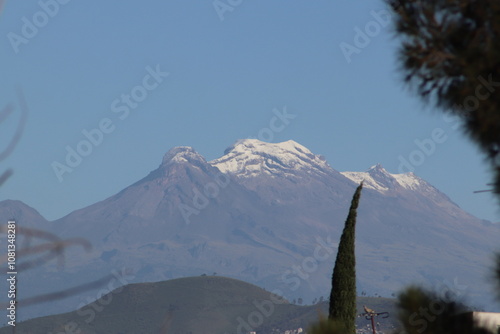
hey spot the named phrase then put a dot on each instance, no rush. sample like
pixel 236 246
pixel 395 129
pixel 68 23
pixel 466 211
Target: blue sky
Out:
pixel 229 73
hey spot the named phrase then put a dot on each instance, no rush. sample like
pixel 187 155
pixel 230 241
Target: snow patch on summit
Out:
pixel 377 178
pixel 368 181
pixel 182 154
pixel 250 157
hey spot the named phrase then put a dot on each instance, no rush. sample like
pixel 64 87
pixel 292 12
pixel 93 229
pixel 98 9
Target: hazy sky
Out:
pixel 141 77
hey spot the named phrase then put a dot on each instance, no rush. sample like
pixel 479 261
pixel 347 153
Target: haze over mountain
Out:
pixel 272 215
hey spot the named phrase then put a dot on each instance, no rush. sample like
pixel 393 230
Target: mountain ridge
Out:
pixel 188 217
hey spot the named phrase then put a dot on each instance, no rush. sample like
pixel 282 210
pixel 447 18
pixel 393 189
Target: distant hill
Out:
pixel 204 304
pixel 10 209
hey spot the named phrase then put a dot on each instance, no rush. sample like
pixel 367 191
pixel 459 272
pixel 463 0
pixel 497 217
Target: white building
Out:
pixel 486 320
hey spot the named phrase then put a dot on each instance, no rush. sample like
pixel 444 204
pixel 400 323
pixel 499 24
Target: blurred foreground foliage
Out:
pixel 450 52
pixel 425 312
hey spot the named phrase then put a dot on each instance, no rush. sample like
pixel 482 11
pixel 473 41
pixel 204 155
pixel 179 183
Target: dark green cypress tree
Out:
pixel 343 294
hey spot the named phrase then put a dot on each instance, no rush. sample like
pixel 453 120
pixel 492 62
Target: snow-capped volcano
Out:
pixel 261 210
pixel 251 157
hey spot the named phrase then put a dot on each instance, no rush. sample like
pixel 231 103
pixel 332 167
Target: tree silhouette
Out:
pixel 343 294
pixel 450 50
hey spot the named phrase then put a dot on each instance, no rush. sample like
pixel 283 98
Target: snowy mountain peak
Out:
pixel 377 178
pixel 250 157
pixel 377 167
pixel 182 154
pixel 380 175
pixel 260 146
